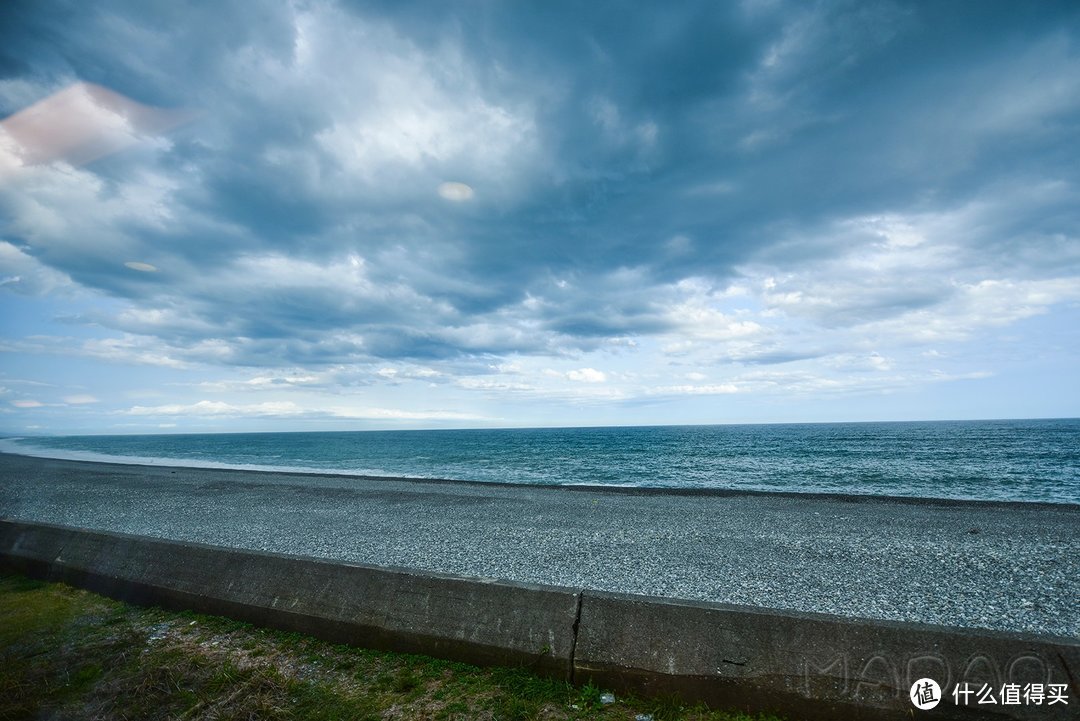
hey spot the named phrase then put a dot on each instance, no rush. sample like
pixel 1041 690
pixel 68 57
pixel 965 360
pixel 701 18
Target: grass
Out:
pixel 70 654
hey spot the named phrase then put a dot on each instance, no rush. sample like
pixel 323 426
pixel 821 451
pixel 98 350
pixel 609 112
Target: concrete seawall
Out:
pixel 807 666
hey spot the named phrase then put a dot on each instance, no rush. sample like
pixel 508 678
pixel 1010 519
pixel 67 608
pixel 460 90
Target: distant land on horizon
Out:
pixel 169 431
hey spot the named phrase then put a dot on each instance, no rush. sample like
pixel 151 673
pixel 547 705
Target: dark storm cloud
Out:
pixel 612 152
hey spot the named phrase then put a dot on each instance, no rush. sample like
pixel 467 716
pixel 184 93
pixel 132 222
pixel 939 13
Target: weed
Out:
pixel 66 653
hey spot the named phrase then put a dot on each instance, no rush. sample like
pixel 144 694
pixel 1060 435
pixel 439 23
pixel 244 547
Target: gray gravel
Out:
pixel 990 565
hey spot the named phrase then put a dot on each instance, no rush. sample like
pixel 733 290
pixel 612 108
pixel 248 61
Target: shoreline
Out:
pixel 578 487
pixel 1009 566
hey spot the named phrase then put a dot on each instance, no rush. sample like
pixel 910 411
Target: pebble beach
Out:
pixel 998 565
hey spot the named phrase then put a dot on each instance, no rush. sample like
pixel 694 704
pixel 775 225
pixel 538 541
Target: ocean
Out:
pixel 1011 460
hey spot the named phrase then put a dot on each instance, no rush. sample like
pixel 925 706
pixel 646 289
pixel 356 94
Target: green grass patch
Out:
pixel 66 653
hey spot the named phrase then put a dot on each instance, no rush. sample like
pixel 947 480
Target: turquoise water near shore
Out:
pixel 1014 460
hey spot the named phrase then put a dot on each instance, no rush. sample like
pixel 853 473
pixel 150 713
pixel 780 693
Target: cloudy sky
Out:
pixel 331 215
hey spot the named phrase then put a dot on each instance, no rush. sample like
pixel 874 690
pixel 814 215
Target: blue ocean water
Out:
pixel 1016 460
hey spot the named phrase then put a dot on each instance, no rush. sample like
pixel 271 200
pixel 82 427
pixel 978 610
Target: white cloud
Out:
pixel 697 390
pixel 219 408
pixel 921 275
pixel 342 281
pixel 397 414
pixel 128 349
pixel 407 372
pixel 492 384
pixel 403 113
pixel 975 307
pixel 24 274
pixel 852 363
pixel 139 350
pixel 289 409
pixel 152 321
pixel 281 380
pixel 586 375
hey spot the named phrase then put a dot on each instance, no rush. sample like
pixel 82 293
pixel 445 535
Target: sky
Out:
pixel 342 216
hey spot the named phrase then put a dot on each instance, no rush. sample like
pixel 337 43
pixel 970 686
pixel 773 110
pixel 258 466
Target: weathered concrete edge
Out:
pixel 807 665
pixel 465 619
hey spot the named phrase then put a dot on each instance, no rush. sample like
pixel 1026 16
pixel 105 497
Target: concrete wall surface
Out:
pixel 811 666
pixel 804 666
pixel 470 620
